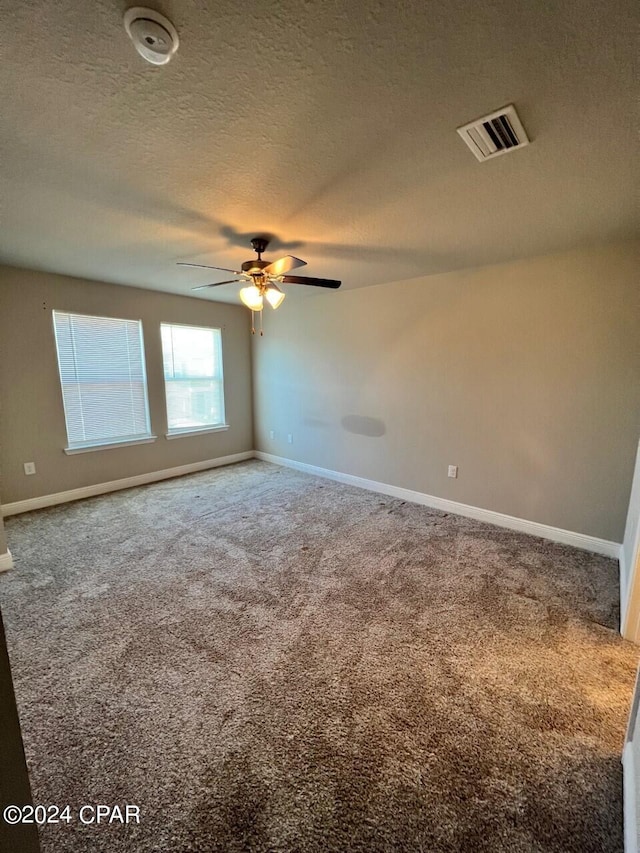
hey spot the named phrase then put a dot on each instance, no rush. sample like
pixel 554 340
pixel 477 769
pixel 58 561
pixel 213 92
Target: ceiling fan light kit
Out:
pixel 254 296
pixel 263 279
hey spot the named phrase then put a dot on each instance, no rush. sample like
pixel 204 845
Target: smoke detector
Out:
pixel 153 36
pixel 495 134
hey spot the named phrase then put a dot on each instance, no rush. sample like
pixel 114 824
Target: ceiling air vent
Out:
pixel 495 134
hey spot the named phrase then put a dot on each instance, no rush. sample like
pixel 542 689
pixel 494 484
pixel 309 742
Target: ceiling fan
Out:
pixel 264 277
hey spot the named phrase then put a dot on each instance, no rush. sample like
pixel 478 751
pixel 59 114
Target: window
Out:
pixel 194 388
pixel 102 374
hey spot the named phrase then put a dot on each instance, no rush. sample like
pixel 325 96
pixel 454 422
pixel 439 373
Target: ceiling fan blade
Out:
pixel 283 265
pixel 207 267
pixel 316 282
pixel 215 284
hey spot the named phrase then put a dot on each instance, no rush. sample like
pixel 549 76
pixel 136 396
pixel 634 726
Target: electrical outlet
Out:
pixel 272 434
pixel 453 471
pixel 29 468
pixel 290 438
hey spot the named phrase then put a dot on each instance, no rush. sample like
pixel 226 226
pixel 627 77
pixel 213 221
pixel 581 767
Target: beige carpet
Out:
pixel 266 661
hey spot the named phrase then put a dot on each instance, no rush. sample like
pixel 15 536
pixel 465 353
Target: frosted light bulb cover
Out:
pixel 274 297
pixel 252 297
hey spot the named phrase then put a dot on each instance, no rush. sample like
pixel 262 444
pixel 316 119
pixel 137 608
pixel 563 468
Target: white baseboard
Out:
pixel 555 534
pixel 126 483
pixel 6 562
pixel 629 800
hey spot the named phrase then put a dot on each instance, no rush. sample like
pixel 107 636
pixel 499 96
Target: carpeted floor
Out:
pixel 267 661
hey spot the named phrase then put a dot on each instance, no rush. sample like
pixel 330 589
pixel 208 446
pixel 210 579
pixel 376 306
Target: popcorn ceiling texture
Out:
pixel 331 125
pixel 267 661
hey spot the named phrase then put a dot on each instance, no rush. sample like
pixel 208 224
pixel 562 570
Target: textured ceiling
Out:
pixel 330 125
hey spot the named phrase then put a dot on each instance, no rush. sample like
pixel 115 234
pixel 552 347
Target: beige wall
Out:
pixel 33 426
pixel 3 538
pixel 525 375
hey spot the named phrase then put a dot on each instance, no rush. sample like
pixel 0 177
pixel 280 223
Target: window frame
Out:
pixel 107 442
pixel 182 432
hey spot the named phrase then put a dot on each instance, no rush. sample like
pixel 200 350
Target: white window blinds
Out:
pixel 102 373
pixel 193 379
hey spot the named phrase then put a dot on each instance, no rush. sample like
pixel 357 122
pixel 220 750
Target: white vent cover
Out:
pixel 495 134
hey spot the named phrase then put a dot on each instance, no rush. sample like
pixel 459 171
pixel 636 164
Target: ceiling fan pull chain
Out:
pixel 253 323
pixel 261 332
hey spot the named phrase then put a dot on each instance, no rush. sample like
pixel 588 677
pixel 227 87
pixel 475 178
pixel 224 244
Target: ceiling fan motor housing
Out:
pixel 254 266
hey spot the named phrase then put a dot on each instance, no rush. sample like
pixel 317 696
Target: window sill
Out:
pixel 71 451
pixel 180 433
